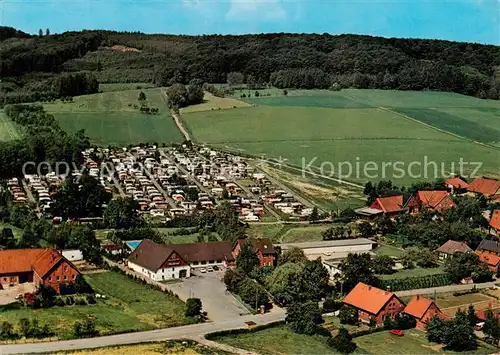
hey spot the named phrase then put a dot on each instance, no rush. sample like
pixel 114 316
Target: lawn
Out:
pixel 181 239
pixel 130 306
pixel 360 128
pixel 416 272
pixel 384 249
pixel 8 129
pixel 448 300
pixel 305 234
pixel 110 118
pixel 413 342
pixel 278 340
pixel 264 230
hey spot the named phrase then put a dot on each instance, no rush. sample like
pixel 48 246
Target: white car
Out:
pixel 203 270
pixel 210 269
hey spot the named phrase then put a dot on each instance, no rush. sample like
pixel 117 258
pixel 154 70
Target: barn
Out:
pixel 327 248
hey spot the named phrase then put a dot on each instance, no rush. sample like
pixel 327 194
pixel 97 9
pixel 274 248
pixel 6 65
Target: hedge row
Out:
pixel 215 335
pixel 410 283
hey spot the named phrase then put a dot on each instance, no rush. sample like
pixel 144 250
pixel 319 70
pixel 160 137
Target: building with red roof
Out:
pixel 263 247
pixel 495 221
pixel 437 201
pixel 423 310
pixel 489 188
pixel 492 260
pixel 373 303
pixel 41 266
pixel 456 184
pixel 394 205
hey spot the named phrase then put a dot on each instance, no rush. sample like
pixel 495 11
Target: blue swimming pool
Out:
pixel 134 243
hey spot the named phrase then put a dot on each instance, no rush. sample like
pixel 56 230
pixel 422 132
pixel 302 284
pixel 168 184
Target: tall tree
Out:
pixel 247 259
pixel 356 268
pixel 342 342
pixel 303 317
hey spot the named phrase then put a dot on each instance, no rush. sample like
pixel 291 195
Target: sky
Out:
pixel 457 20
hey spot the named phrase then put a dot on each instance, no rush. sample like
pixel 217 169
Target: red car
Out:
pixel 397 332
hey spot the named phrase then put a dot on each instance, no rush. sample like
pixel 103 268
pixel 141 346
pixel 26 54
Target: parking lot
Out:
pixel 217 302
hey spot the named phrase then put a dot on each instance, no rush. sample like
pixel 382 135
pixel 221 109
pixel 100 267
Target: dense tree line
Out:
pixel 43 141
pixel 285 60
pixel 46 54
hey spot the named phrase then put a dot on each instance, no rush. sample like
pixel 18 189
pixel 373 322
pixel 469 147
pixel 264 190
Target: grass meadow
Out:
pixel 361 126
pixel 8 129
pixel 379 343
pixel 111 118
pixel 129 306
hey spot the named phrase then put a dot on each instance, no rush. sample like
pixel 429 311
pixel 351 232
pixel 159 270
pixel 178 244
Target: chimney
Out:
pixel 418 297
pixel 388 290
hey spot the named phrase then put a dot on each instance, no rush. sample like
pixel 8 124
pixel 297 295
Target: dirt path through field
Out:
pixel 176 116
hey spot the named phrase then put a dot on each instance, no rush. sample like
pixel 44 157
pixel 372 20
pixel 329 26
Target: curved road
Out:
pixel 193 331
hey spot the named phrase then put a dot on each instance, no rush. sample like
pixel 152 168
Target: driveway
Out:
pixel 9 294
pixel 219 304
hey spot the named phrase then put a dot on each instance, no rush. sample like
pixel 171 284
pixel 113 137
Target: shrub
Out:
pixel 193 307
pixel 348 315
pixel 331 305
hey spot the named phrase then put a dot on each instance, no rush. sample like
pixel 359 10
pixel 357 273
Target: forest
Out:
pixel 29 64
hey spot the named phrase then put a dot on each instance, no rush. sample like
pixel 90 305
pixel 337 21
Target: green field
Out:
pixel 413 342
pixel 111 118
pixel 304 234
pixel 278 340
pixel 130 306
pixel 362 127
pixel 8 129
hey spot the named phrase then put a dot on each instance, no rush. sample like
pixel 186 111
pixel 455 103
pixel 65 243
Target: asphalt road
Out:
pixel 444 289
pixel 184 332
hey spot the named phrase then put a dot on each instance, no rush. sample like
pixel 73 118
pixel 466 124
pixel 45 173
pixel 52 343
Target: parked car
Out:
pixel 210 269
pixel 203 270
pixel 216 268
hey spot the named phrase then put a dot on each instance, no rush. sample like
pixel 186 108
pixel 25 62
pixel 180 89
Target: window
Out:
pixel 50 278
pixel 58 278
pixel 195 263
pixel 203 262
pixel 173 269
pixel 65 277
pixel 74 277
pixel 211 262
pixel 5 279
pixel 219 261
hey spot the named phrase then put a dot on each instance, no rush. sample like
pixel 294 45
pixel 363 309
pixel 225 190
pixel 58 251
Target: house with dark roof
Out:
pixel 263 247
pixel 436 201
pixel 373 303
pixel 451 247
pixel 423 310
pixel 174 261
pixel 40 266
pixel 489 188
pixel 494 222
pixel 489 246
pixel 394 205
